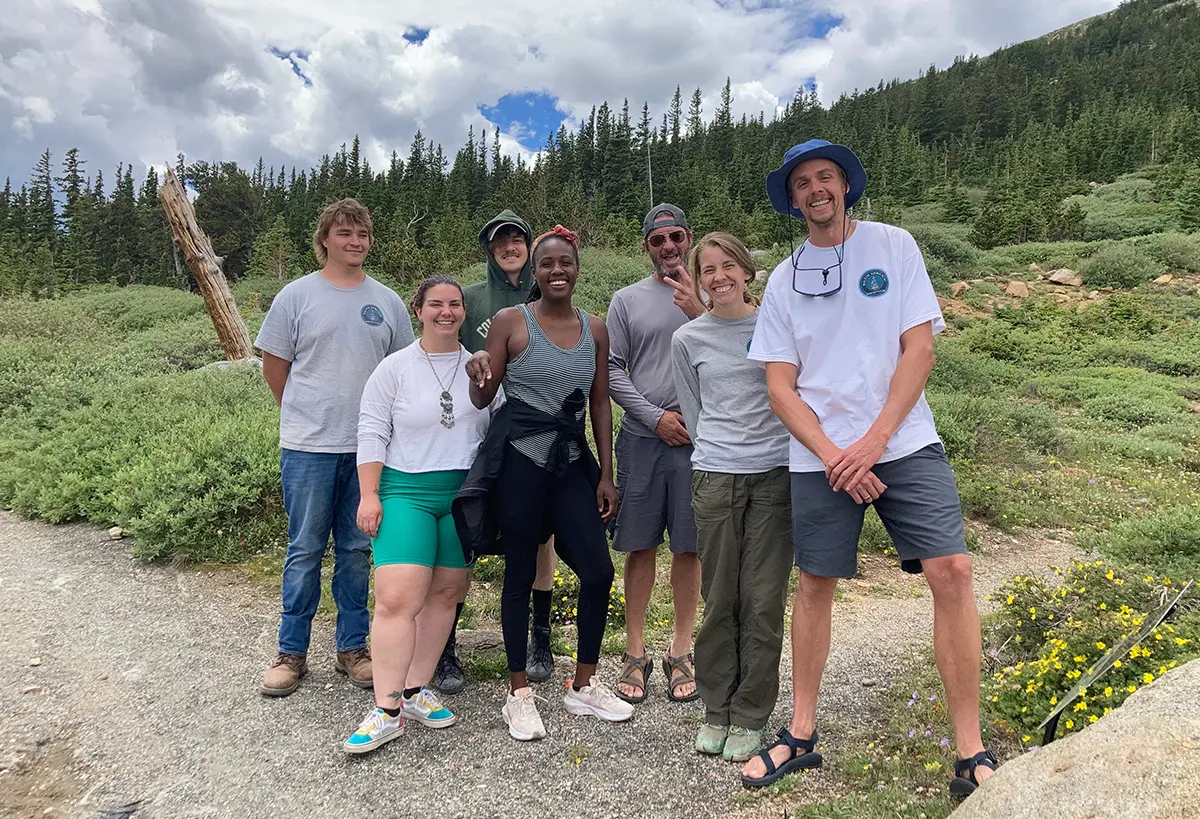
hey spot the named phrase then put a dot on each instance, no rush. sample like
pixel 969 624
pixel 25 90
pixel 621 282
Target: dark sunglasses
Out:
pixel 824 271
pixel 824 290
pixel 659 239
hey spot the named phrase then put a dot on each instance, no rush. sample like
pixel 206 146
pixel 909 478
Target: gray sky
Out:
pixel 140 80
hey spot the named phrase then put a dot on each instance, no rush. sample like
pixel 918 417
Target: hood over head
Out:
pixel 496 276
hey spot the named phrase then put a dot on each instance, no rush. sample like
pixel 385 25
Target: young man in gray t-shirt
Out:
pixel 321 339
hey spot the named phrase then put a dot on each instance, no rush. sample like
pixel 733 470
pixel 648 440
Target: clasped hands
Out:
pixel 849 470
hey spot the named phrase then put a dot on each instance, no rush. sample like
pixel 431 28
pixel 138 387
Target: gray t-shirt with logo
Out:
pixel 334 337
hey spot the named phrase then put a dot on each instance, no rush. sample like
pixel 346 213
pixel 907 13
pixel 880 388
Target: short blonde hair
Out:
pixel 735 249
pixel 342 212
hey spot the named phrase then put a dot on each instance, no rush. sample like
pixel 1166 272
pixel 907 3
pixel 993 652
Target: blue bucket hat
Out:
pixel 777 180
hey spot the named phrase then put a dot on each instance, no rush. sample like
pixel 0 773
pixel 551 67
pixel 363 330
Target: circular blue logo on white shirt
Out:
pixel 873 283
pixel 372 315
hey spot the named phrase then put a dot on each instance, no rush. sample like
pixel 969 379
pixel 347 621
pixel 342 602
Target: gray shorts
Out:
pixel 654 482
pixel 920 510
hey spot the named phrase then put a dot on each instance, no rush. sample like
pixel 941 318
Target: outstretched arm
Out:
pixel 487 367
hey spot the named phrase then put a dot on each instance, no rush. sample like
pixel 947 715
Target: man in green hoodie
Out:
pixel 505 239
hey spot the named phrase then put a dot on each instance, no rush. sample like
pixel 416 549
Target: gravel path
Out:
pixel 121 682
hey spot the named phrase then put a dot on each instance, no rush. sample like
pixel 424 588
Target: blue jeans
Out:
pixel 320 494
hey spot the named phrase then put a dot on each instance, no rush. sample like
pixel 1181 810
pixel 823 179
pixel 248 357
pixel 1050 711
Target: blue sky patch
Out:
pixel 822 24
pixel 415 35
pixel 527 117
pixel 293 57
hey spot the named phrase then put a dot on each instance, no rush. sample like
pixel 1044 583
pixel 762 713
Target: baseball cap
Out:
pixel 652 218
pixel 501 225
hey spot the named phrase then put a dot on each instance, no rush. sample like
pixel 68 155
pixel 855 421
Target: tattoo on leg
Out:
pixel 396 695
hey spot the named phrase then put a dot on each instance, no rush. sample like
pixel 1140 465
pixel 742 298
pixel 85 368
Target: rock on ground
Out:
pixel 1142 760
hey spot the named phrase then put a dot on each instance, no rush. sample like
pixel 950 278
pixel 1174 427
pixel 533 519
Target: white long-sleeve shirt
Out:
pixel 400 417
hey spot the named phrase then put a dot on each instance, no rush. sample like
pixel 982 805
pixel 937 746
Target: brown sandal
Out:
pixel 686 668
pixel 630 667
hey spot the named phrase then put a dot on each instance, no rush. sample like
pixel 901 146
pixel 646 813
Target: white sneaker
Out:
pixel 597 700
pixel 521 714
pixel 376 729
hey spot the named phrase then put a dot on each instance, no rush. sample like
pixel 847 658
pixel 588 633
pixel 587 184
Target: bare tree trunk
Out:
pixel 206 267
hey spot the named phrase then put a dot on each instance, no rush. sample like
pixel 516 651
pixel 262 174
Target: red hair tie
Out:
pixel 560 232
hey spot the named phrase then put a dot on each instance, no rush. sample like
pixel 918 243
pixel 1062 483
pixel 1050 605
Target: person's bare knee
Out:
pixel 814 590
pixel 685 562
pixel 448 587
pixel 949 577
pixel 397 601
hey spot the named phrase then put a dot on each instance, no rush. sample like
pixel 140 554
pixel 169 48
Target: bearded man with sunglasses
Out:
pixel 653 453
pixel 846 335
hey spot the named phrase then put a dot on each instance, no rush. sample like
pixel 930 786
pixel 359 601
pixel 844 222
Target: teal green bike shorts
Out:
pixel 417 528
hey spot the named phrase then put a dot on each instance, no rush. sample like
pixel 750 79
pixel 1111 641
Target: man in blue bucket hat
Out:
pixel 846 335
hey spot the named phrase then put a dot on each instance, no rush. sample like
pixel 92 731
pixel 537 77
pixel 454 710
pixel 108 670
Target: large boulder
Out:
pixel 1142 760
pixel 1067 277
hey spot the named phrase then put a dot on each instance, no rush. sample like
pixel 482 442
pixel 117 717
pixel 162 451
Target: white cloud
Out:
pixel 141 80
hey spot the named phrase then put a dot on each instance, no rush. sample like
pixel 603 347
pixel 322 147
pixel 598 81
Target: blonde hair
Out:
pixel 342 212
pixel 732 246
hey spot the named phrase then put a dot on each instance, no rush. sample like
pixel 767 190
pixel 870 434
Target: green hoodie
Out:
pixel 487 298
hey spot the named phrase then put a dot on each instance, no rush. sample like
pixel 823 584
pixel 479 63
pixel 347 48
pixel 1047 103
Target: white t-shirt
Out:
pixel 846 346
pixel 400 416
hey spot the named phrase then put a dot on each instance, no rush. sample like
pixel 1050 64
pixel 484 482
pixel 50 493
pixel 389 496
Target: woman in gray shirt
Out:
pixel 741 499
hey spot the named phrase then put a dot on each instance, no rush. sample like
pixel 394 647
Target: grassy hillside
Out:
pixel 1073 411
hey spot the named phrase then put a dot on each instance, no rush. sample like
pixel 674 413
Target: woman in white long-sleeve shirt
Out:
pixel 418 434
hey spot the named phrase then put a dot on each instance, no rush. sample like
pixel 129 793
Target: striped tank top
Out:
pixel 544 375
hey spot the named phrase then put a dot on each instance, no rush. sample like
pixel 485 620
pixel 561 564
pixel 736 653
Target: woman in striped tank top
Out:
pixel 552 359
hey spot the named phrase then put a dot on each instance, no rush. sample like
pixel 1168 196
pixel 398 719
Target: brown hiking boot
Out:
pixel 283 675
pixel 356 665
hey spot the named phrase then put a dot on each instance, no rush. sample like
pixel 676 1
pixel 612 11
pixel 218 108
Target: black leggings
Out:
pixel 524 493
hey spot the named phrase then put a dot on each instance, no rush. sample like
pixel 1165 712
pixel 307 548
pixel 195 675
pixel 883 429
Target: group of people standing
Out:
pixel 752 439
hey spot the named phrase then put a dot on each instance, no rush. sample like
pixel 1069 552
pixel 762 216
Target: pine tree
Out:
pixel 42 218
pixel 695 120
pixel 956 206
pixel 1187 203
pixel 42 278
pixel 274 256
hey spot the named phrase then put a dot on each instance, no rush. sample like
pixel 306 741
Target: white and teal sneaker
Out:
pixel 377 729
pixel 427 709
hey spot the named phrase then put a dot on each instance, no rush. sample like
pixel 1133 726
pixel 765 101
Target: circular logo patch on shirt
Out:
pixel 873 283
pixel 372 315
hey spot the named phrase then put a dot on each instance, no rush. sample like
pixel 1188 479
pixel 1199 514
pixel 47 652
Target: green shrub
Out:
pixel 1167 542
pixel 260 289
pixel 1048 255
pixel 960 369
pixel 1179 252
pixel 1141 448
pixel 1120 266
pixel 564 600
pixel 945 243
pixel 973 427
pixel 1131 411
pixel 187 463
pixel 1046 636
pixel 1168 358
pixel 940 274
